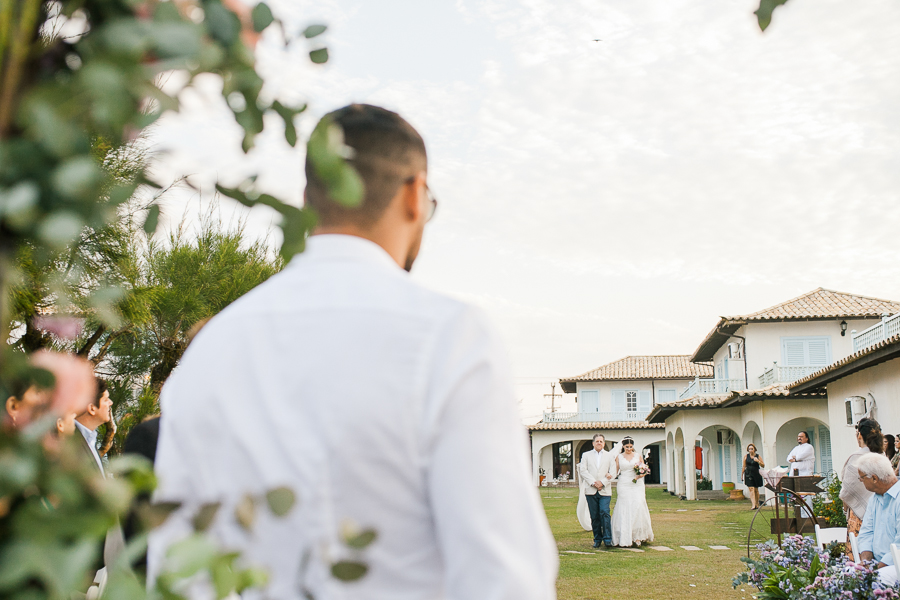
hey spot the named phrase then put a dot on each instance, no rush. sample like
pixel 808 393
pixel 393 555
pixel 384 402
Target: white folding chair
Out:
pixel 854 547
pixel 827 535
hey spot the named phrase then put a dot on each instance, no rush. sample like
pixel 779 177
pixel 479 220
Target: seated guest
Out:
pixel 879 527
pixel 853 493
pixel 803 456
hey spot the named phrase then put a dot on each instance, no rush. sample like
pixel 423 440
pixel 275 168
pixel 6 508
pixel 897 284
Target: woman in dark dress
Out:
pixel 750 474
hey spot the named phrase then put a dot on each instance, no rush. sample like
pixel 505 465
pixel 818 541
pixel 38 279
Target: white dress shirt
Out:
pixel 379 403
pixel 804 459
pixel 90 437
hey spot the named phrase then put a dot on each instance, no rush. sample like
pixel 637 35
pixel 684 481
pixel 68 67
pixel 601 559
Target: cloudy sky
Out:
pixel 612 197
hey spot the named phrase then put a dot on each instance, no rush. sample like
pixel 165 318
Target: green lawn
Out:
pixel 652 575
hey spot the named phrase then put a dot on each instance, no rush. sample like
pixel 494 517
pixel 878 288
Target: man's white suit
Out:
pixel 591 470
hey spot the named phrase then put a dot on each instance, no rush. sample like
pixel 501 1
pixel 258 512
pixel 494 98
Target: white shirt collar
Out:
pixel 89 434
pixel 337 246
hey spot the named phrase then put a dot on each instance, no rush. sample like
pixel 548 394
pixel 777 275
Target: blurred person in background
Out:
pixel 854 494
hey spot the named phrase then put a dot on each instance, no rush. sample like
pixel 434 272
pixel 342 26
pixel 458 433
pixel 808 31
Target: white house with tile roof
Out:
pixel 613 399
pixel 865 383
pixel 748 399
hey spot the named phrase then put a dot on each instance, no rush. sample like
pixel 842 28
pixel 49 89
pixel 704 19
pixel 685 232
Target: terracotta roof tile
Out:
pixel 597 425
pixel 697 401
pixel 824 304
pixel 646 367
pixel 817 304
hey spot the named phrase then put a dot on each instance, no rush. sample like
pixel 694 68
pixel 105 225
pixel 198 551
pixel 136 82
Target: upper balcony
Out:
pixel 587 417
pixel 779 374
pixel 700 387
pixel 889 327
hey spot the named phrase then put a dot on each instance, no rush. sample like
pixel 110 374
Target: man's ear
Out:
pixel 411 200
pixel 91 409
pixel 11 407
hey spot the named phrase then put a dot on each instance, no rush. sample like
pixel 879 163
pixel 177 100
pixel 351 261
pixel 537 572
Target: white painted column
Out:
pixel 691 473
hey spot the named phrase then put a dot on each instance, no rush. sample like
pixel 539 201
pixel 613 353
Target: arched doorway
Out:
pixel 723 455
pixel 819 436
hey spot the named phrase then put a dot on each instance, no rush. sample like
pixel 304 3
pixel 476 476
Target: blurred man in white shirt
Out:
pixel 803 456
pixel 380 403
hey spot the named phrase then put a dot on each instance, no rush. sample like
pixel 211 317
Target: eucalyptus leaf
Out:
pixel 261 16
pixel 77 177
pixel 190 555
pixel 765 10
pixel 314 30
pixel 362 539
pixel 347 570
pixel 319 55
pixel 245 512
pixel 60 227
pixel 152 220
pixel 281 500
pixel 205 516
pixel 221 23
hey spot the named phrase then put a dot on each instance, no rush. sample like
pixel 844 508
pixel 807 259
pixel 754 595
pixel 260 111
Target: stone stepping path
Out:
pixel 655 548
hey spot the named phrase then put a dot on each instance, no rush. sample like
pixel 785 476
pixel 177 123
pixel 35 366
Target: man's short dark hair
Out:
pixel 101 388
pixel 387 152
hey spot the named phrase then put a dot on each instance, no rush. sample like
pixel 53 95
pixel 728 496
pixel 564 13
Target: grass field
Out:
pixel 653 575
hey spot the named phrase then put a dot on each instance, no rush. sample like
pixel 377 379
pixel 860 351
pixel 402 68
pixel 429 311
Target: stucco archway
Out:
pixel 819 436
pixel 723 455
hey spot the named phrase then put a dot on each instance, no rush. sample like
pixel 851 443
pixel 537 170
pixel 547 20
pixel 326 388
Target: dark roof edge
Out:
pixel 714 340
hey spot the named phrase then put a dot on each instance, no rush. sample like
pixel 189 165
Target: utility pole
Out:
pixel 553 396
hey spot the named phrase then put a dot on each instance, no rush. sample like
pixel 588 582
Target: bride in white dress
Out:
pixel 631 517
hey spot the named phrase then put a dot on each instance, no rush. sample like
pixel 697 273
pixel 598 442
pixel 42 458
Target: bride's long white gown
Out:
pixel 631 517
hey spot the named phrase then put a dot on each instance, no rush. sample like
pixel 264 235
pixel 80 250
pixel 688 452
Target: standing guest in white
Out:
pixel 803 456
pixel 375 399
pixel 597 469
pixel 631 516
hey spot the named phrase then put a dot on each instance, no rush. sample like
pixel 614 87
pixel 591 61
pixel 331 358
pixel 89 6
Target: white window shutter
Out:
pixel 818 352
pixel 794 353
pixel 825 449
pixel 590 401
pixel 665 396
pixel 618 401
pixel 644 402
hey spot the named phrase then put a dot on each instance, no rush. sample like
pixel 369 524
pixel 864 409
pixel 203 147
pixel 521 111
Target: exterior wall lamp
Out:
pixel 843 328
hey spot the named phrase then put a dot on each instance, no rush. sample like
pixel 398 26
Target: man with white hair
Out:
pixel 879 527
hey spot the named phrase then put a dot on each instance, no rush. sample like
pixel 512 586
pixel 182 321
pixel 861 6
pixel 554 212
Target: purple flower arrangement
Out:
pixel 799 571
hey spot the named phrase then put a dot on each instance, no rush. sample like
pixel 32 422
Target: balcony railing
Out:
pixel 586 417
pixel 711 386
pixel 889 327
pixel 779 374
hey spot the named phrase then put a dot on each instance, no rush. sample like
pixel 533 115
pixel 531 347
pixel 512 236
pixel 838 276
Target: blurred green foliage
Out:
pixel 78 86
pixel 828 505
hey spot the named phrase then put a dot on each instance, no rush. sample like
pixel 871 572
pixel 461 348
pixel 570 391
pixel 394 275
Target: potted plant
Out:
pixel 727 486
pixel 543 474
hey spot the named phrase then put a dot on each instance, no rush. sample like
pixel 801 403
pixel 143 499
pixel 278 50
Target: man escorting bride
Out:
pixel 631 516
pixel 630 522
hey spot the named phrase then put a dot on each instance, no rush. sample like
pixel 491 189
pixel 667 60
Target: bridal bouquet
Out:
pixel 639 470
